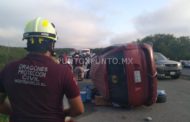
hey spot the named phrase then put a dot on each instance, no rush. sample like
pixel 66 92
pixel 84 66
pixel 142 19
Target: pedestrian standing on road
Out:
pixel 35 85
pixel 78 69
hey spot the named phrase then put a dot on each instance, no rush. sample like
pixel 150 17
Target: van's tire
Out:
pixel 161 99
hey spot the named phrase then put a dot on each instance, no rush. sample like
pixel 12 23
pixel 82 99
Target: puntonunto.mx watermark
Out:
pixel 101 61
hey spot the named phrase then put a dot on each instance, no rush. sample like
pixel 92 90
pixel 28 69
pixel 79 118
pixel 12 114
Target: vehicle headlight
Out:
pixel 179 65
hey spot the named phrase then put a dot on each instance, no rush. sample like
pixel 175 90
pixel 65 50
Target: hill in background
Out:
pixel 8 54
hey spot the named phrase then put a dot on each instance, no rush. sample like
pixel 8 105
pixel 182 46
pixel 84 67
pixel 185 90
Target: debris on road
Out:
pixel 161 96
pixel 101 101
pixel 148 118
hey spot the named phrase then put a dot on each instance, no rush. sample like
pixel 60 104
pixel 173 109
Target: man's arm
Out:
pixel 73 95
pixel 76 107
pixel 5 107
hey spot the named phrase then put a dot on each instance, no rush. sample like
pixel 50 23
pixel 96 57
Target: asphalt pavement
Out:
pixel 176 109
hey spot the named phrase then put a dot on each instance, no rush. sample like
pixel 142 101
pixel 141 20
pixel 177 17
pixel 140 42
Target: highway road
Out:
pixel 176 109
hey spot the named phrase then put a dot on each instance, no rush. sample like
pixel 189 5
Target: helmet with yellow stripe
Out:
pixel 40 27
pixel 40 35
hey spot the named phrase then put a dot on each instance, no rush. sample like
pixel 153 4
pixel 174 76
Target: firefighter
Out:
pixel 35 85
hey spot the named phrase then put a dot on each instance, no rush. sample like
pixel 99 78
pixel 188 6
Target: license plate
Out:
pixel 172 73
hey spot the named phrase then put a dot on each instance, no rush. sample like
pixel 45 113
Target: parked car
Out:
pixel 185 63
pixel 166 67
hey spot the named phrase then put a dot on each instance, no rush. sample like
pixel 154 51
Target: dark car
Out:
pixel 185 63
pixel 166 67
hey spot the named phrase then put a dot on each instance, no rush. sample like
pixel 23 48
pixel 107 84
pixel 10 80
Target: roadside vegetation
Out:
pixel 8 54
pixel 175 48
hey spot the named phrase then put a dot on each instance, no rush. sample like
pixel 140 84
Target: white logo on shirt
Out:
pixel 31 74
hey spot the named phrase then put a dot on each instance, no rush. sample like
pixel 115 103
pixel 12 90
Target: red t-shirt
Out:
pixel 35 86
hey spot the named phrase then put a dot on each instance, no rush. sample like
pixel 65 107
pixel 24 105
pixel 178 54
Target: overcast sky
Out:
pixel 95 23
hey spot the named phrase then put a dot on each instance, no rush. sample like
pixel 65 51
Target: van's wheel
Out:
pixel 161 99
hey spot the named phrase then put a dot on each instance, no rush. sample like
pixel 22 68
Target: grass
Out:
pixel 8 54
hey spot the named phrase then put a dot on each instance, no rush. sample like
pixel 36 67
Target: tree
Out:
pixel 171 46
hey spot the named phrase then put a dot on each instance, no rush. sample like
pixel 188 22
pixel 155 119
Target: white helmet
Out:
pixel 40 27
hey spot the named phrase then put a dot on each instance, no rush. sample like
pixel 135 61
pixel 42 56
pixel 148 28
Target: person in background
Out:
pixel 78 63
pixel 63 59
pixel 35 85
